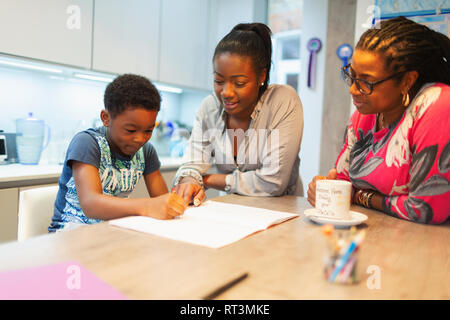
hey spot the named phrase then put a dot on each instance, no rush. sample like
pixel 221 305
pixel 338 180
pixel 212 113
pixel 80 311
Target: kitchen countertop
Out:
pixel 18 175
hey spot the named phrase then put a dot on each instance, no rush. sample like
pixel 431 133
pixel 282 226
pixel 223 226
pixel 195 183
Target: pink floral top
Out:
pixel 409 162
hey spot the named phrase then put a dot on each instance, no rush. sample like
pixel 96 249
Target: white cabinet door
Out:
pixel 126 36
pixel 8 214
pixel 224 15
pixel 52 30
pixel 184 43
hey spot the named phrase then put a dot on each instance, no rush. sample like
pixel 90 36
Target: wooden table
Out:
pixel 283 262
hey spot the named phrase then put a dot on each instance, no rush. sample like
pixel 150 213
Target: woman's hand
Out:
pixel 189 189
pixel 167 206
pixel 332 175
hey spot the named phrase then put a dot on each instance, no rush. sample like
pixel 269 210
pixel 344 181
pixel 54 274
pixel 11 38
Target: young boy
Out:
pixel 103 165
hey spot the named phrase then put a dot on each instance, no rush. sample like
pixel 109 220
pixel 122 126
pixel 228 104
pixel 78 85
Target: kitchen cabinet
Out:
pixel 126 37
pixel 169 41
pixel 166 41
pixel 224 15
pixel 53 30
pixel 184 46
pixel 9 200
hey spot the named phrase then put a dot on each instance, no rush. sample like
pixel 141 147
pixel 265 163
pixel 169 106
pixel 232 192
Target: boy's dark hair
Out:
pixel 131 91
pixel 406 46
pixel 251 40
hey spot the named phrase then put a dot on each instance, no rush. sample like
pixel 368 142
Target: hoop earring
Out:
pixel 405 100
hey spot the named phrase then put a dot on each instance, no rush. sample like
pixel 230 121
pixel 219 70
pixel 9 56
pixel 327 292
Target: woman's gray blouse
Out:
pixel 267 162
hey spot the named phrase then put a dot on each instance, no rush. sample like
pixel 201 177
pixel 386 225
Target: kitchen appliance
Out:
pixel 30 139
pixel 3 153
pixel 10 145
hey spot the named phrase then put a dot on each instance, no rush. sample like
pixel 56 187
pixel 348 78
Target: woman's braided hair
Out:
pixel 406 46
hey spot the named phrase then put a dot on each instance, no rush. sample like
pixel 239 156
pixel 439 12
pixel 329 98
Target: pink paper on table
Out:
pixel 62 281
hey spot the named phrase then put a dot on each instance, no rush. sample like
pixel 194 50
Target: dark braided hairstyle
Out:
pixel 407 46
pixel 251 40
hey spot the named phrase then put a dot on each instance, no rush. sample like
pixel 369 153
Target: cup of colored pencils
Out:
pixel 342 254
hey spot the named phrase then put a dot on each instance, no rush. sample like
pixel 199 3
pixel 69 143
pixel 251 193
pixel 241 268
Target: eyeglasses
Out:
pixel 364 86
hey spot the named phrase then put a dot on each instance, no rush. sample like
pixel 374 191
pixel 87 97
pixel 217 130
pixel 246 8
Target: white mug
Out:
pixel 333 198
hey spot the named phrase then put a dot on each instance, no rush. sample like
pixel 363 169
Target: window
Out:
pixel 290 48
pixel 285 18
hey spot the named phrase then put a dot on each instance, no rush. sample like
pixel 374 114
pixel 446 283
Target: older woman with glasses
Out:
pixel 396 149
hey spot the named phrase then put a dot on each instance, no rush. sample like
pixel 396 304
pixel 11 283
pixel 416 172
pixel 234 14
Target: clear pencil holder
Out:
pixel 341 268
pixel 341 255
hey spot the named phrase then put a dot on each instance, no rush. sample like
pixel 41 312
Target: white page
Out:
pixel 213 224
pixel 238 214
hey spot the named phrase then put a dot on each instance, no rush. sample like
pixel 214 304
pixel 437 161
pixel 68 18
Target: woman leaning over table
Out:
pixel 397 143
pixel 251 130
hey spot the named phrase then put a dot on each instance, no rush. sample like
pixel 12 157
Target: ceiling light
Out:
pixel 93 77
pixel 169 89
pixel 29 66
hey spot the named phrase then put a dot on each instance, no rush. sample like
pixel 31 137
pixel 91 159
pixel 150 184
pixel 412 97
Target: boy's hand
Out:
pixel 190 189
pixel 167 206
pixel 332 175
